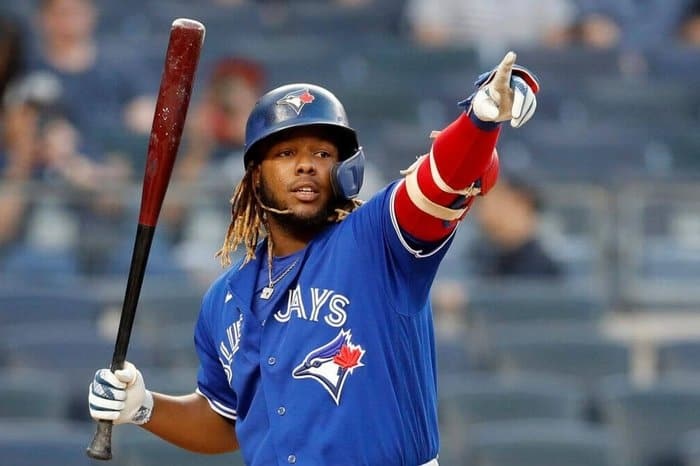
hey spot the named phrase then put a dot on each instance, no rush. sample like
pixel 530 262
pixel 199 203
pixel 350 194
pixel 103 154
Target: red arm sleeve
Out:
pixel 431 201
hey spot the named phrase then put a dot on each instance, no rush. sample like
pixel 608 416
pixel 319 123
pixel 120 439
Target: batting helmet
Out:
pixel 296 105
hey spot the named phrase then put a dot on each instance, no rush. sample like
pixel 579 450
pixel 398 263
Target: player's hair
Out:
pixel 249 221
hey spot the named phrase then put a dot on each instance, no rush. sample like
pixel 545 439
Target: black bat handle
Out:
pixel 101 446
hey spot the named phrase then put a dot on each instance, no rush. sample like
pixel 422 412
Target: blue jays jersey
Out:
pixel 338 366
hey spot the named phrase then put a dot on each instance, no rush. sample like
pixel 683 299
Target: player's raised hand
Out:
pixel 506 93
pixel 120 396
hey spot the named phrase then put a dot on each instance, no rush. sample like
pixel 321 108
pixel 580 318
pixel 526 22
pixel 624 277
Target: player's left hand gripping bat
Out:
pixel 181 59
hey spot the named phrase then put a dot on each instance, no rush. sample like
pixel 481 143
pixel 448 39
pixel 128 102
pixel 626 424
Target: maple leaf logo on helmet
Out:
pixel 297 99
pixel 331 363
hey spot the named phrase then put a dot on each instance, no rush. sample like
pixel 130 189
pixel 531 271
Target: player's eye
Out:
pixel 323 154
pixel 285 153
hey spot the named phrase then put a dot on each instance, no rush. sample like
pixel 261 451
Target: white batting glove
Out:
pixel 120 397
pixel 506 93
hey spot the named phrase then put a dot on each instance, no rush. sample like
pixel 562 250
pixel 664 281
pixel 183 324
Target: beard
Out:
pixel 293 222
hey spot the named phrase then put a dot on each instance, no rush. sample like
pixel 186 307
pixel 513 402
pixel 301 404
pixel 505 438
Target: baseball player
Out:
pixel 317 348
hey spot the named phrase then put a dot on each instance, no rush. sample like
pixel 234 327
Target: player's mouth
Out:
pixel 306 192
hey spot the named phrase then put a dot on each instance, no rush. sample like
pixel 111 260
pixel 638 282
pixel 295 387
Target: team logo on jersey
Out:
pixel 331 364
pixel 297 99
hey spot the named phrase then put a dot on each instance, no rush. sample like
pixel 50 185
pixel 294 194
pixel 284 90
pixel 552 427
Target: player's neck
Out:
pixel 285 242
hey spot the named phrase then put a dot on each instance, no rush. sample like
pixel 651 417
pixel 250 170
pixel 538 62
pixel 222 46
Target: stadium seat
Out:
pixel 650 420
pixel 173 345
pixel 690 448
pixel 135 447
pixel 468 399
pixel 46 443
pixel 512 301
pixel 580 63
pixel 585 357
pixel 162 301
pixel 71 350
pixel 541 443
pixel 27 304
pixel 26 393
pixel 659 258
pixel 595 152
pixel 678 356
pixel 482 397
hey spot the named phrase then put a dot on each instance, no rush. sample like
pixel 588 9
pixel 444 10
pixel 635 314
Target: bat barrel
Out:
pixel 186 38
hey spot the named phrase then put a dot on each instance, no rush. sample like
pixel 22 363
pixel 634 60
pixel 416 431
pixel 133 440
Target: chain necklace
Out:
pixel 270 288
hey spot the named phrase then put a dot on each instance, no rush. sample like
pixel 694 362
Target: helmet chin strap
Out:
pixel 276 211
pixel 268 208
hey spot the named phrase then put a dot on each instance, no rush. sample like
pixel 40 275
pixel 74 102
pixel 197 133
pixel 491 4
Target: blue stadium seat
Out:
pixel 26 393
pixel 162 301
pixel 133 446
pixel 657 242
pixel 595 152
pixel 637 101
pixel 173 345
pixel 483 397
pixel 579 62
pixel 681 356
pixel 650 420
pixel 690 448
pixel 48 443
pixel 35 304
pixel 512 301
pixel 72 350
pixel 472 398
pixel 585 357
pixel 541 443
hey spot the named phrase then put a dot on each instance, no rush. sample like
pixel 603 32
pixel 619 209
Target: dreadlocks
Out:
pixel 249 221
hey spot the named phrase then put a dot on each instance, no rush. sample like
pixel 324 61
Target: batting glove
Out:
pixel 120 396
pixel 505 93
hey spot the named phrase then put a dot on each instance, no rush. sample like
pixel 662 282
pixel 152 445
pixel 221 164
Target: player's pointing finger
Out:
pixel 503 72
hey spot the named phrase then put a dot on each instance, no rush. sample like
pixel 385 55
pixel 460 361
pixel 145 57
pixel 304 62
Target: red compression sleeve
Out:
pixel 463 153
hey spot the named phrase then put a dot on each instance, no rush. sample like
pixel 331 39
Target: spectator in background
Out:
pixel 11 58
pixel 509 219
pixel 630 24
pixel 106 94
pixel 486 24
pixel 15 142
pixel 216 128
pixel 40 151
pixel 689 29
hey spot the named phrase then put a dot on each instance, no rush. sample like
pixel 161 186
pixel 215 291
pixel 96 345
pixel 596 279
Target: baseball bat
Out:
pixel 181 58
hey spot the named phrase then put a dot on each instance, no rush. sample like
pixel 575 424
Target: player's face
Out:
pixel 295 175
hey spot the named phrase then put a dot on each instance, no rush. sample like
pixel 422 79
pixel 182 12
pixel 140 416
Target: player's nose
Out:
pixel 306 163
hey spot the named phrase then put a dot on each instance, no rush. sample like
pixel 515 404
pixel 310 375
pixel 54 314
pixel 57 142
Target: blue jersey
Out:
pixel 337 367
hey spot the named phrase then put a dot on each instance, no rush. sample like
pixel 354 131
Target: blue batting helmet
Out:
pixel 295 105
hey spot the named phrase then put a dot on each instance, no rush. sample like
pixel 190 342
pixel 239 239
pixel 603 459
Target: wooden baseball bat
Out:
pixel 181 59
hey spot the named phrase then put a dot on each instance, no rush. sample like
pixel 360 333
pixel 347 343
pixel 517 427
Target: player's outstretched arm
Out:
pixel 463 163
pixel 186 421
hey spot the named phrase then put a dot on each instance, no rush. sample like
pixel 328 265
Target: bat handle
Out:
pixel 101 446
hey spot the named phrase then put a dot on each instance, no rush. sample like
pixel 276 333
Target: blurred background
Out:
pixel 568 310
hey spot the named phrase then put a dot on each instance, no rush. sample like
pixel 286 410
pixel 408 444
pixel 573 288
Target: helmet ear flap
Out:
pixel 347 176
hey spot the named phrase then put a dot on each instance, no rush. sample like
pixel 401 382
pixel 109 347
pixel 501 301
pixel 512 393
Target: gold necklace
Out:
pixel 270 288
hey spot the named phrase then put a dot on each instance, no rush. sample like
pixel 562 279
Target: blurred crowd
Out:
pixel 78 98
pixel 561 232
